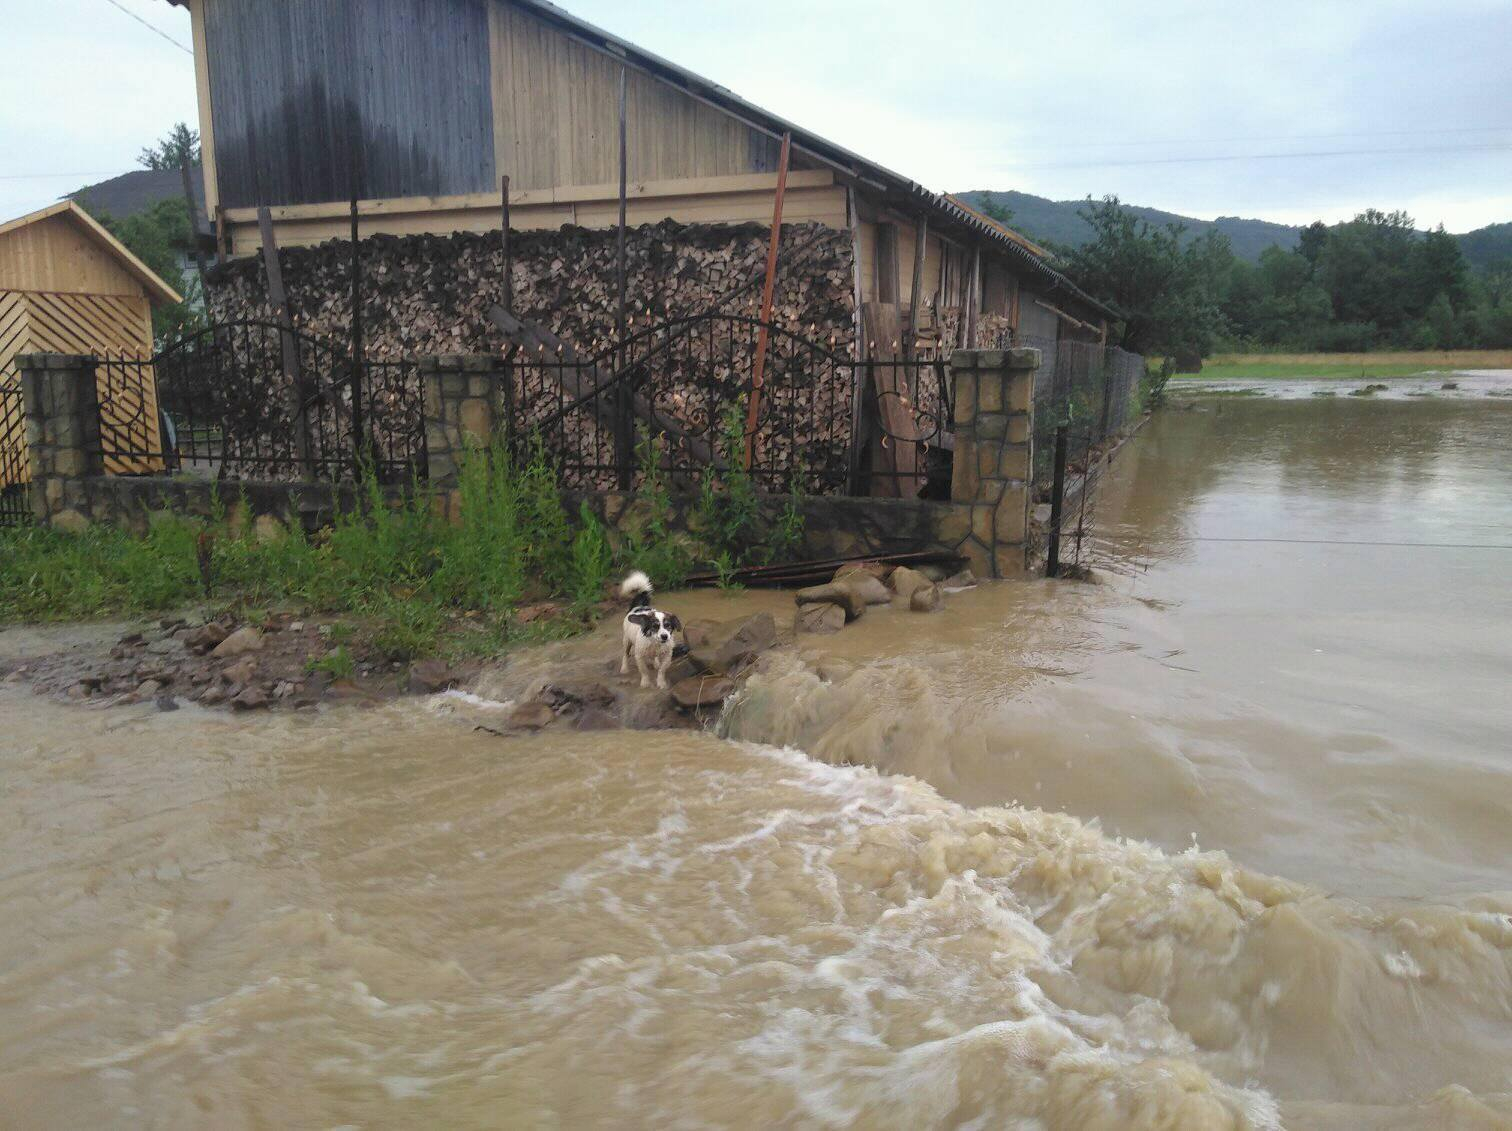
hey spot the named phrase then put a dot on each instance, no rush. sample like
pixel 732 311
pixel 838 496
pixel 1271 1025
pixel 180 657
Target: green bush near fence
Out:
pixel 416 581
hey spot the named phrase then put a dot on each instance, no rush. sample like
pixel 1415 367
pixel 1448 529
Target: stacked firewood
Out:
pixel 431 294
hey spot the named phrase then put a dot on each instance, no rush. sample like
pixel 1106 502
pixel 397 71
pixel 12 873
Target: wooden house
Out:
pixel 419 107
pixel 68 286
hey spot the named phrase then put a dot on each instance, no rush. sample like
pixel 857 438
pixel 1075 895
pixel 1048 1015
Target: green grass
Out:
pixel 404 580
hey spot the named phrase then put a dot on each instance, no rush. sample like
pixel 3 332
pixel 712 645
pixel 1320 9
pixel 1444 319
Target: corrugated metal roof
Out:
pixel 896 188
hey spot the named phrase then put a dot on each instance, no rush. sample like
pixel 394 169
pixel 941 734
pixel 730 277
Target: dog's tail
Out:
pixel 636 589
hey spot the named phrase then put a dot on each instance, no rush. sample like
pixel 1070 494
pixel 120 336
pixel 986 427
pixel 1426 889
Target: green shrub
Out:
pixel 590 562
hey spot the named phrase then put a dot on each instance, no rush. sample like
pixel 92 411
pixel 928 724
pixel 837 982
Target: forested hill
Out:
pixel 1058 221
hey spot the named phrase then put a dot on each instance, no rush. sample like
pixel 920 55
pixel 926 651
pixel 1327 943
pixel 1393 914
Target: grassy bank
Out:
pixel 410 582
pixel 1399 363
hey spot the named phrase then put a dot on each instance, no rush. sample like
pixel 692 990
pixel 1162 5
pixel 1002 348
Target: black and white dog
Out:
pixel 650 636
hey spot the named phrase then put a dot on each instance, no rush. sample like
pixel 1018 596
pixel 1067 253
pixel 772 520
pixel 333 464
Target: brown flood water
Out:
pixel 941 872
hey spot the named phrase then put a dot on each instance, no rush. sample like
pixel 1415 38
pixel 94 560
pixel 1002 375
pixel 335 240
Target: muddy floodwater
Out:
pixel 1224 840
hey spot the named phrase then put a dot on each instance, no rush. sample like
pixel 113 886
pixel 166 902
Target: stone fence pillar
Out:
pixel 994 402
pixel 62 435
pixel 464 404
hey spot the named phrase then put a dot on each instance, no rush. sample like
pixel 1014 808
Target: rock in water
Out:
pixel 531 716
pixel 251 699
pixel 963 580
pixel 430 676
pixel 835 593
pixel 735 644
pixel 927 599
pixel 867 587
pixel 239 642
pixel 904 581
pixel 702 691
pixel 820 620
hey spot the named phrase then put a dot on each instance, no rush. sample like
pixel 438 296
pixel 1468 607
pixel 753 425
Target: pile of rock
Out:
pixel 829 608
pixel 225 662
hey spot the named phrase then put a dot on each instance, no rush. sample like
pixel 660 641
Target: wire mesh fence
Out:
pixel 1090 389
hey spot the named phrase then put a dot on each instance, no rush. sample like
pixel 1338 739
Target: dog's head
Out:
pixel 664 629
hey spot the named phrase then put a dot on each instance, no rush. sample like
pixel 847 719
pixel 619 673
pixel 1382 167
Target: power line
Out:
pixel 1126 143
pixel 1262 157
pixel 152 28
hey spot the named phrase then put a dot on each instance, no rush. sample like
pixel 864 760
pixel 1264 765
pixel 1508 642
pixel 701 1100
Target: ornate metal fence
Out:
pixel 824 421
pixel 15 507
pixel 253 400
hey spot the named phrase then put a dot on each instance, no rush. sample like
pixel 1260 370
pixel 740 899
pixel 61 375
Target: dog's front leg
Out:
pixel 644 667
pixel 663 662
pixel 625 659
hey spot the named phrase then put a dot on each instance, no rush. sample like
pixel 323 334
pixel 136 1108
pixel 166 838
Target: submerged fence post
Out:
pixel 1057 503
pixel 62 406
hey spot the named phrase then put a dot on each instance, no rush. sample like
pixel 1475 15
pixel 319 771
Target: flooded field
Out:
pixel 1222 841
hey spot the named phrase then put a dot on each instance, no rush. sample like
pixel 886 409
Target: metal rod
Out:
pixel 507 291
pixel 1057 500
pixel 357 407
pixel 624 437
pixel 753 410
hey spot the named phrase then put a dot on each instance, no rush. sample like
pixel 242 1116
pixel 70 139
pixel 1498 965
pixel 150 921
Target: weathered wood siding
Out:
pixel 556 115
pixel 119 325
pixel 56 254
pixel 308 94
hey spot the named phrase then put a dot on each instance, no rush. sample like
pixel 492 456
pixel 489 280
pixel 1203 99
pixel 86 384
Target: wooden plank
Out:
pixel 896 450
pixel 288 348
pixel 916 288
pixel 760 183
pixel 973 298
pixel 206 109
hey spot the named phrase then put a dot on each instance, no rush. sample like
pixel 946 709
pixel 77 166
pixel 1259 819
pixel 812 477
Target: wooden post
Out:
pixel 508 269
pixel 624 424
pixel 921 251
pixel 753 410
pixel 973 297
pixel 288 346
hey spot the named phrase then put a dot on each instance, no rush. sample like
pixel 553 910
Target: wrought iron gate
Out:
pixel 15 507
pixel 252 399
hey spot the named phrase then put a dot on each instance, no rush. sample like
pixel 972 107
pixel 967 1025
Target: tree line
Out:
pixel 1374 282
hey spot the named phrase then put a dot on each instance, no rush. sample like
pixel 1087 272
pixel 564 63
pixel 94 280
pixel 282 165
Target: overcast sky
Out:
pixel 1196 107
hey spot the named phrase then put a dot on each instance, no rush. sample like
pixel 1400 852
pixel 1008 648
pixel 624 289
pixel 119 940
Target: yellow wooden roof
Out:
pixel 157 290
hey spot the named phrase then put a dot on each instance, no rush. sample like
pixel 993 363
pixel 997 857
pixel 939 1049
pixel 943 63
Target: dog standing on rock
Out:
pixel 650 636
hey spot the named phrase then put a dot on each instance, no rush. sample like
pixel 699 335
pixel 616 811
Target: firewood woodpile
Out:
pixel 430 294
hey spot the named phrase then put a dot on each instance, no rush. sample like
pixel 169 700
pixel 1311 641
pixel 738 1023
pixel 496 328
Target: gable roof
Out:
pixel 139 190
pixel 157 290
pixel 899 191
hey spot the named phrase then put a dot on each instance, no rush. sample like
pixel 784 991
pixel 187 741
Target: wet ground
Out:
pixel 1221 841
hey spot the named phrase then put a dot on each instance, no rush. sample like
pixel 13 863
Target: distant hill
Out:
pixel 1056 221
pixel 1488 245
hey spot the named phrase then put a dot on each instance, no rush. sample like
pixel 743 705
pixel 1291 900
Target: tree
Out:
pixel 157 237
pixel 181 147
pixel 1167 293
pixel 995 211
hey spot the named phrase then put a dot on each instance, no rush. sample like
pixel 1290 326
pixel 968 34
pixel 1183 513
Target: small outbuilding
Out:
pixel 68 286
